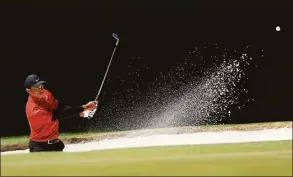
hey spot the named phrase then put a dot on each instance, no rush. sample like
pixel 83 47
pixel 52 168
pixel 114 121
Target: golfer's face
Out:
pixel 39 89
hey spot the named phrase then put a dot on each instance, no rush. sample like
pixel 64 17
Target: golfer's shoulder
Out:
pixel 48 93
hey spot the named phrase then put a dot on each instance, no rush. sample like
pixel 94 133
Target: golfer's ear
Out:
pixel 27 90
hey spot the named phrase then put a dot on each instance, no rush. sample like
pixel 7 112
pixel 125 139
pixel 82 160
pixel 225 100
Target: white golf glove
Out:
pixel 89 114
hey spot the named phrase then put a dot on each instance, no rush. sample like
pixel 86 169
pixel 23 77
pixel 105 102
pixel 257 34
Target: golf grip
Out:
pixel 106 73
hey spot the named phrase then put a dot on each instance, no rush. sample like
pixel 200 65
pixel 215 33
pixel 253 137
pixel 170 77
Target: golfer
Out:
pixel 43 112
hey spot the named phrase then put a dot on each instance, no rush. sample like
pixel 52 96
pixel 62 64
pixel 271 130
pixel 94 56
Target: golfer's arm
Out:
pixel 64 111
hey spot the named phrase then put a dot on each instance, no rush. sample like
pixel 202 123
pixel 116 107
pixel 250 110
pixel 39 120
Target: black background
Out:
pixel 70 47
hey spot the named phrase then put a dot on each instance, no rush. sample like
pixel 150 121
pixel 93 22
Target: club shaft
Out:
pixel 106 73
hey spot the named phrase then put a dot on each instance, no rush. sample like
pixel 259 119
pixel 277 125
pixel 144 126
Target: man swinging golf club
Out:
pixel 43 112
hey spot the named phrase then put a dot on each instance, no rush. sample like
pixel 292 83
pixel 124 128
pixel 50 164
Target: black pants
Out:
pixel 56 145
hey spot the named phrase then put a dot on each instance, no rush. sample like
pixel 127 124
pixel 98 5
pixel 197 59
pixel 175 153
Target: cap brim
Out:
pixel 39 83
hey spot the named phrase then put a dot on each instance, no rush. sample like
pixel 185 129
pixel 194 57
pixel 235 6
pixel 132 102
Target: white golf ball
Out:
pixel 278 28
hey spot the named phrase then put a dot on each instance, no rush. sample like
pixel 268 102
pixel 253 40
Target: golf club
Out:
pixel 97 96
pixel 117 40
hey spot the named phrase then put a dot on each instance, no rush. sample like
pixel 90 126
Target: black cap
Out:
pixel 33 81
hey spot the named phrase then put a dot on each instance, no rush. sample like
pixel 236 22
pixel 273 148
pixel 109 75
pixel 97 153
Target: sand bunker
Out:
pixel 179 139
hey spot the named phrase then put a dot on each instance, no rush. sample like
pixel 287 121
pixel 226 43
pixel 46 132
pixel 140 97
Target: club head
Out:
pixel 115 36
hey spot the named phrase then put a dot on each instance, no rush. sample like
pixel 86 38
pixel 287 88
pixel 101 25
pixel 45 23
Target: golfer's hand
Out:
pixel 90 106
pixel 88 114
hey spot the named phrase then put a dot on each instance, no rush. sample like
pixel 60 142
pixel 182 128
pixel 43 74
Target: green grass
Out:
pixel 13 140
pixel 261 158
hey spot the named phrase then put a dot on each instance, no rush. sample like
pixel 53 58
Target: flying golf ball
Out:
pixel 278 28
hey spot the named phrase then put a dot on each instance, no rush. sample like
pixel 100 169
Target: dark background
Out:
pixel 71 46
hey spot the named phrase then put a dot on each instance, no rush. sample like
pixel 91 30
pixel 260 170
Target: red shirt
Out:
pixel 39 113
